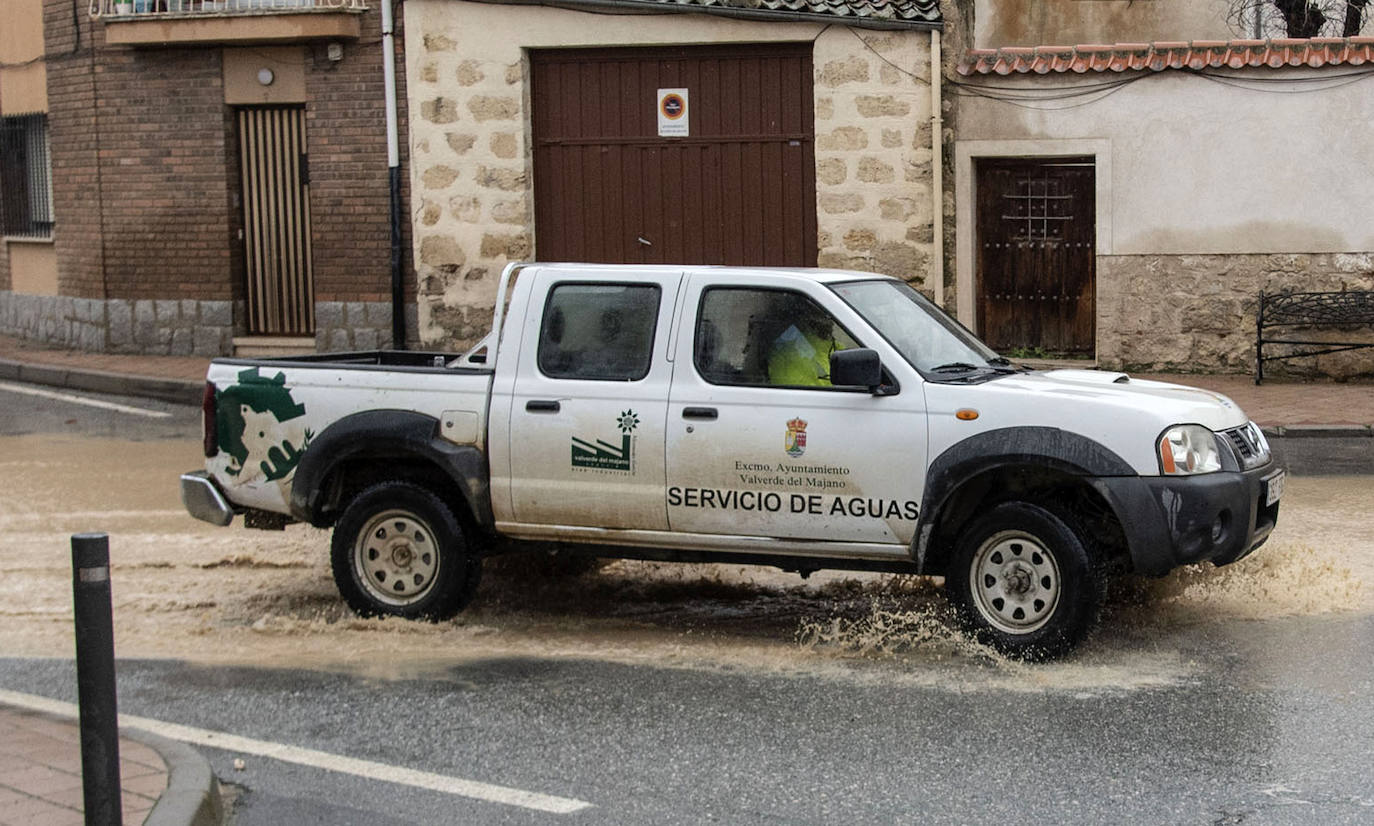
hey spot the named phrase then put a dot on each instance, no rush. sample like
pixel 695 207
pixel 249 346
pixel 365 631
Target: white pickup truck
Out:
pixel 805 419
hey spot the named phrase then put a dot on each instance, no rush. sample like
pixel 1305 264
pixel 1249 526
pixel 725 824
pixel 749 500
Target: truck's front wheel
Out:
pixel 398 550
pixel 1023 580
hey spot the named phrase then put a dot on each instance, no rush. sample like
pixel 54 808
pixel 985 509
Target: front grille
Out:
pixel 1245 440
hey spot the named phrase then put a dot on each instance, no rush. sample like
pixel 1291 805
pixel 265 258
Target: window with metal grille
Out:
pixel 25 177
pixel 1038 208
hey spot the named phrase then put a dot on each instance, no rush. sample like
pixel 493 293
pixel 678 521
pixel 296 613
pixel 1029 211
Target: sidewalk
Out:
pixel 1286 407
pixel 163 783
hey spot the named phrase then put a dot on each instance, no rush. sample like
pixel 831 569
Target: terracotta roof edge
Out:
pixel 1119 57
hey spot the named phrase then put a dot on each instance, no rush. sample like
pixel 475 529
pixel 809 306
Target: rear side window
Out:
pixel 601 332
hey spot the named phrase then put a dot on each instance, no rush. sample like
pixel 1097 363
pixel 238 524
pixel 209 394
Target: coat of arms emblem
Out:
pixel 795 440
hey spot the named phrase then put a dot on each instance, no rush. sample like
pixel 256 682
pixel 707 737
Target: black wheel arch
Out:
pixel 363 448
pixel 1031 463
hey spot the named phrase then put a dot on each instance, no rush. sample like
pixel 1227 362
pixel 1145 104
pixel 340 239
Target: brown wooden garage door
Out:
pixel 740 189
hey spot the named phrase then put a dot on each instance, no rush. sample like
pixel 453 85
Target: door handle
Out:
pixel 699 413
pixel 542 406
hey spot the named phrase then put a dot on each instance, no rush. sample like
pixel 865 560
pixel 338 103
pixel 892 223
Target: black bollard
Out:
pixel 95 679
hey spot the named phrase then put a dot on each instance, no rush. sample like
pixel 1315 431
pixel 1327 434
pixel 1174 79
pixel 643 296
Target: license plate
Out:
pixel 1273 488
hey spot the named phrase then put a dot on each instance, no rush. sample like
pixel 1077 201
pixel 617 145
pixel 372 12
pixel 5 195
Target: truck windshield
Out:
pixel 930 340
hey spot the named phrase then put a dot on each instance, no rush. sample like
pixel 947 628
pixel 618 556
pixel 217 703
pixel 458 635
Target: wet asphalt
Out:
pixel 1261 722
pixel 1269 725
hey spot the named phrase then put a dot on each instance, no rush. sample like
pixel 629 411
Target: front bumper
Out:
pixel 203 499
pixel 1180 520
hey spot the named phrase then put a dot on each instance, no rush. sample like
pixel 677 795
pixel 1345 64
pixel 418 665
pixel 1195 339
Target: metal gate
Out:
pixel 1037 256
pixel 276 219
pixel 739 188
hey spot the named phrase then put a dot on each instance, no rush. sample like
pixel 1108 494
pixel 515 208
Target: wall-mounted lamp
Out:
pixel 334 51
pixel 265 76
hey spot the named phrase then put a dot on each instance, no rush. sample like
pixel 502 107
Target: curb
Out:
pixel 1319 431
pixel 192 795
pixel 176 391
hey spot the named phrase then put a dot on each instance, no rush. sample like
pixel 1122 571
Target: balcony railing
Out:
pixel 143 9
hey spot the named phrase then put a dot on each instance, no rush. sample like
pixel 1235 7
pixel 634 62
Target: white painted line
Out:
pixel 122 514
pixel 67 397
pixel 318 759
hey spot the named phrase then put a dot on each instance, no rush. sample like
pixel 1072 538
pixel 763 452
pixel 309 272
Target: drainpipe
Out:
pixel 393 162
pixel 937 170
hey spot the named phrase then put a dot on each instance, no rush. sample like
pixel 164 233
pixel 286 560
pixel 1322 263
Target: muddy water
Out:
pixel 188 590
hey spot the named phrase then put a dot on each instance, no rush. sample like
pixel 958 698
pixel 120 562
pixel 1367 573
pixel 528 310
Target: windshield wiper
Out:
pixel 1006 364
pixel 975 370
pixel 955 367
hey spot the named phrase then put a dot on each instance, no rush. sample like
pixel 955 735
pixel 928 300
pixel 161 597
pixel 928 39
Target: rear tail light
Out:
pixel 208 429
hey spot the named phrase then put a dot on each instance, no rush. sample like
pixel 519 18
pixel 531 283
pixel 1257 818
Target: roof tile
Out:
pixel 893 13
pixel 1155 57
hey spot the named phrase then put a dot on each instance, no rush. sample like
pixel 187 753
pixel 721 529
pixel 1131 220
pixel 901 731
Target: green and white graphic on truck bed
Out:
pixel 253 424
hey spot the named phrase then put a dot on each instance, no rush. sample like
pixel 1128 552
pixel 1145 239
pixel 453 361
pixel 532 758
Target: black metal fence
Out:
pixel 25 177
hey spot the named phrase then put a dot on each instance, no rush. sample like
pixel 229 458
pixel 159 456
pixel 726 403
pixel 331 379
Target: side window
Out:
pixel 598 331
pixel 766 337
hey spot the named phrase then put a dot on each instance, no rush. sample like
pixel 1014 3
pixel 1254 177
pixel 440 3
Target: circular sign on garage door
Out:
pixel 672 113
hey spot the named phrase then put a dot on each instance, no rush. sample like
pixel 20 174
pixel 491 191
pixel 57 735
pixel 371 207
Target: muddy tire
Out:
pixel 398 551
pixel 1024 580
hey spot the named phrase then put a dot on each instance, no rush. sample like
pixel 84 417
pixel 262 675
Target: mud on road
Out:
pixel 183 589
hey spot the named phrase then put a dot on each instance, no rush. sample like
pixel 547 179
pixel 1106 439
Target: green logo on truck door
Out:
pixel 252 427
pixel 601 455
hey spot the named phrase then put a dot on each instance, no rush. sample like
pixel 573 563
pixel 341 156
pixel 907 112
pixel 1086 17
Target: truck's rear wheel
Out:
pixel 1023 580
pixel 398 550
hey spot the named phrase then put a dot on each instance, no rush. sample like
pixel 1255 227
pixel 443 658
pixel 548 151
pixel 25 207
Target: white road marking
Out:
pixel 318 759
pixel 92 515
pixel 67 397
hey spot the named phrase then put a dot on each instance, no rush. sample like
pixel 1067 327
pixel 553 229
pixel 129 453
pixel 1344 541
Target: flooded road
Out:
pixel 691 693
pixel 183 589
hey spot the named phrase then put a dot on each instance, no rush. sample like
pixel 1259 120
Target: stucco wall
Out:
pixel 469 136
pixel 1200 183
pixel 1074 22
pixel 1203 167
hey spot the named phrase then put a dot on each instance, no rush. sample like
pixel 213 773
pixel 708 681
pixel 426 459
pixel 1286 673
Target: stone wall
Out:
pixel 1196 313
pixel 159 326
pixel 471 174
pixel 358 325
pixel 469 135
pixel 873 155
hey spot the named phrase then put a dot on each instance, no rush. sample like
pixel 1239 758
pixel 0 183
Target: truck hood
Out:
pixel 1168 403
pixel 1123 414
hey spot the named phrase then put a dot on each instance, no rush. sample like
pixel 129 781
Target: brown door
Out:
pixel 276 220
pixel 1037 259
pixel 738 189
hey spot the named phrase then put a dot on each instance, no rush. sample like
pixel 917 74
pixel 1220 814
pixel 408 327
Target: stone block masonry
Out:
pixel 1196 313
pixel 157 327
pixel 342 326
pixel 873 155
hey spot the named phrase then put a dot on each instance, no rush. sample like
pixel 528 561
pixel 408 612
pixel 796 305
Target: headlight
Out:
pixel 1187 449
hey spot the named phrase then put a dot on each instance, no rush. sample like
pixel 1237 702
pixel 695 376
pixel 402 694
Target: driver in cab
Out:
pixel 800 355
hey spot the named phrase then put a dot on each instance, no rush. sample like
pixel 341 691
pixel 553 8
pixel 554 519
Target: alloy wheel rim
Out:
pixel 1015 582
pixel 396 559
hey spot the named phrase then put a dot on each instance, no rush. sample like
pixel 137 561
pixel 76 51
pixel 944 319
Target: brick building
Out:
pixel 216 176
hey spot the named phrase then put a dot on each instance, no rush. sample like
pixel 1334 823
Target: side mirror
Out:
pixel 859 367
